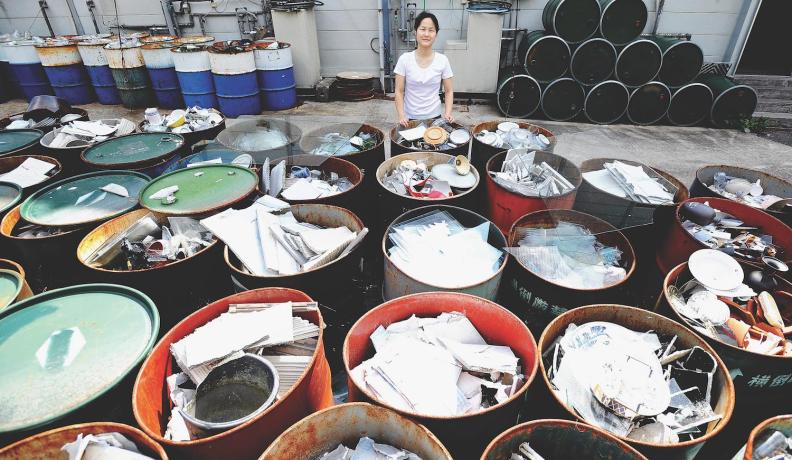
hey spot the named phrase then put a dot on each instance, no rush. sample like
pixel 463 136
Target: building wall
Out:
pixel 347 29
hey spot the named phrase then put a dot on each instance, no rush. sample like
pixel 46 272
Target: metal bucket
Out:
pixel 351 199
pixel 622 20
pixel 344 424
pixel 275 72
pixel 129 72
pixel 193 70
pixel 544 56
pixel 518 96
pixel 47 445
pixel 682 60
pixel 641 320
pixel 606 102
pixel 648 103
pixel 10 163
pixel 141 152
pixel 194 137
pixel 234 75
pixel 464 435
pixel 689 104
pixel 773 185
pixel 481 152
pixel 572 20
pixel 733 102
pixel 638 63
pixel 592 61
pixel 26 65
pixel 393 205
pixel 159 62
pixel 312 391
pixel 67 75
pixel 396 283
pixel 178 287
pixel 562 100
pixel 397 148
pixel 505 207
pixel 536 300
pixel 92 53
pixel 676 245
pixel 560 439
pixel 15 142
pixel 229 136
pixel 328 282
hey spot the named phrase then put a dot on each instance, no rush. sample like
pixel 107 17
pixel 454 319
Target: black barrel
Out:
pixel 732 102
pixel 690 104
pixel 682 61
pixel 572 20
pixel 544 56
pixel 648 103
pixel 593 61
pixel 519 95
pixel 622 21
pixel 638 63
pixel 562 99
pixel 606 102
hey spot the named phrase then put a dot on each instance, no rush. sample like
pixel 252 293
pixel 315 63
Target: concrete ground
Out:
pixel 679 151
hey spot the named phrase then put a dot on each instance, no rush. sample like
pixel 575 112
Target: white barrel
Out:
pixel 126 55
pixel 57 54
pixel 273 59
pixel 22 52
pixel 157 55
pixel 92 51
pixel 232 63
pixel 191 58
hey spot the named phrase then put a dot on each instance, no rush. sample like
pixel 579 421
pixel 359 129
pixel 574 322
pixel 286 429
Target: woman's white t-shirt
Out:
pixel 422 86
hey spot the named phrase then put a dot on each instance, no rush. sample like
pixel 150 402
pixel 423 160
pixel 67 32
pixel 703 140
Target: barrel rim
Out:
pixel 609 82
pixel 552 37
pixel 133 164
pixel 592 163
pixel 488 168
pixel 16 200
pixel 724 92
pixel 584 43
pixel 727 381
pixel 293 160
pixel 520 123
pixel 700 172
pixel 261 45
pixel 644 19
pixel 520 393
pixel 671 102
pixel 56 44
pixel 394 132
pixel 557 81
pixel 378 132
pixel 638 41
pixel 429 201
pixel 16 210
pixel 222 123
pixel 758 429
pixel 20 285
pixel 555 13
pixel 503 82
pixel 25 146
pixel 635 91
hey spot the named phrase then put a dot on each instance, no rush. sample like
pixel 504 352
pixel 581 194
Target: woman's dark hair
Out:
pixel 424 15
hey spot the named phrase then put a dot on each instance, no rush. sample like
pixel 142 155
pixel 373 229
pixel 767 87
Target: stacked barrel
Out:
pixel 592 62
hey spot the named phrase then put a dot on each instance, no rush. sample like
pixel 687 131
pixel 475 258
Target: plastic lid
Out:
pixel 201 189
pixel 15 139
pixel 133 150
pixel 80 199
pixel 10 194
pixel 10 286
pixel 66 347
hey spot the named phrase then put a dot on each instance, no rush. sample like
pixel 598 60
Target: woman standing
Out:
pixel 419 74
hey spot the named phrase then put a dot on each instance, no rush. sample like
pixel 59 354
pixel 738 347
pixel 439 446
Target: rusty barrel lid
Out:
pixel 12 140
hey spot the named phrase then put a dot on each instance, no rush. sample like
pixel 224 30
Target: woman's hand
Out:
pixel 448 117
pixel 404 121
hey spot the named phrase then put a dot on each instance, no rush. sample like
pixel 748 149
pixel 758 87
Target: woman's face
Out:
pixel 426 32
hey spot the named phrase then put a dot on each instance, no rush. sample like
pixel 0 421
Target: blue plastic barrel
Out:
pixel 275 72
pixel 164 81
pixel 234 74
pixel 26 65
pixel 10 87
pixel 193 70
pixel 98 71
pixel 65 70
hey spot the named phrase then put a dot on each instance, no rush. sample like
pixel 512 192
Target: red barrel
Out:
pixel 676 246
pixel 504 207
pixel 464 435
pixel 151 406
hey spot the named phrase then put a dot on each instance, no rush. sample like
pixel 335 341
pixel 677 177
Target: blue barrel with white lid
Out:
pixel 65 70
pixel 194 72
pixel 234 74
pixel 275 72
pixel 26 65
pixel 92 53
pixel 164 81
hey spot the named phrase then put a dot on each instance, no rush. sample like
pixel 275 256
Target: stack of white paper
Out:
pixel 32 171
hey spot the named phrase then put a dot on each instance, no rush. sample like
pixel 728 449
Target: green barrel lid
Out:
pixel 133 150
pixel 12 140
pixel 10 286
pixel 80 200
pixel 10 194
pixel 64 348
pixel 201 189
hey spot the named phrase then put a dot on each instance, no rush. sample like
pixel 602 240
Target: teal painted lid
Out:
pixel 133 150
pixel 10 194
pixel 10 286
pixel 62 349
pixel 15 139
pixel 80 200
pixel 201 189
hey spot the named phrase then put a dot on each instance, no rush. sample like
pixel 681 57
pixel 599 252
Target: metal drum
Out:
pixel 648 103
pixel 732 103
pixel 234 74
pixel 518 95
pixel 12 89
pixel 195 75
pixel 690 104
pixel 622 21
pixel 129 72
pixel 606 102
pixel 562 99
pixel 101 77
pixel 64 68
pixel 572 20
pixel 26 65
pixel 682 60
pixel 593 61
pixel 275 72
pixel 544 56
pixel 638 63
pixel 159 62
